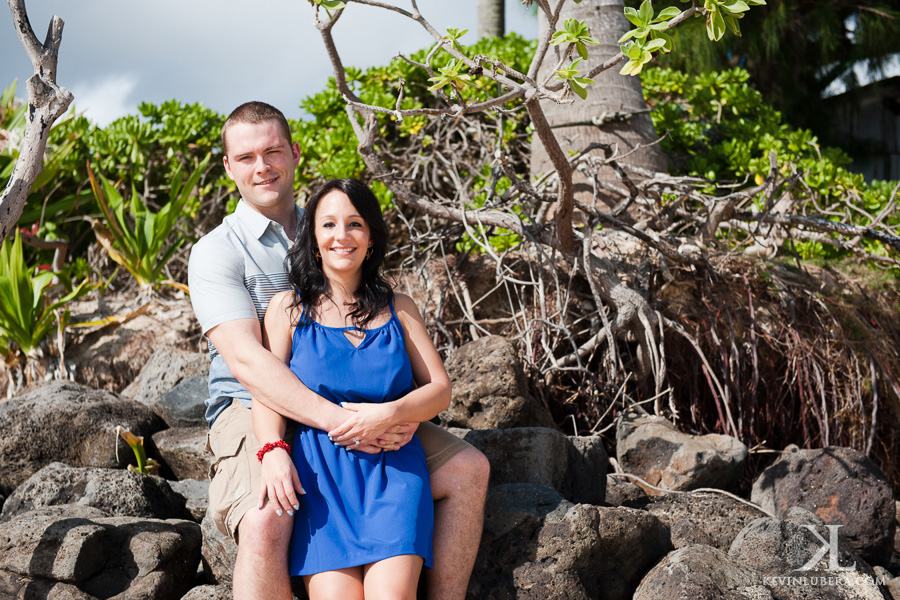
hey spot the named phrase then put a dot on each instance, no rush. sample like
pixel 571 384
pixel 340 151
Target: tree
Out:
pixel 795 49
pixel 612 112
pixel 491 18
pixel 47 102
pixel 633 316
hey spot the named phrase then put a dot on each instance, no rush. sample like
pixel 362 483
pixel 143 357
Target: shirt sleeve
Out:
pixel 216 283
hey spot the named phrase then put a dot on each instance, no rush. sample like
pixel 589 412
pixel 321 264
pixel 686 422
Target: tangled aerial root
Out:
pixel 806 356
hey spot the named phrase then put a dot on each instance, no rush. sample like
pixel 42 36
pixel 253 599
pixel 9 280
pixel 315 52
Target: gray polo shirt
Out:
pixel 233 272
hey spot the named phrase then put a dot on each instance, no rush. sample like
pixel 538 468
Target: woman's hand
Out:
pixel 279 482
pixel 372 426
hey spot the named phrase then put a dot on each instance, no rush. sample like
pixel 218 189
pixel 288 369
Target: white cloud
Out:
pixel 107 99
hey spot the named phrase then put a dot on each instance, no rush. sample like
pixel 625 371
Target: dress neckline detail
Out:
pixel 368 333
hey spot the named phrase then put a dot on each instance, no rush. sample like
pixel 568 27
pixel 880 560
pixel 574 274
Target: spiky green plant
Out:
pixel 28 312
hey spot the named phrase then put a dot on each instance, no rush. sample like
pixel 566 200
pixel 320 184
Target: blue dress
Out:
pixel 358 508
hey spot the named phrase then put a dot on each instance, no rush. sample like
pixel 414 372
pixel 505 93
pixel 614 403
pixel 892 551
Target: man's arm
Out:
pixel 268 379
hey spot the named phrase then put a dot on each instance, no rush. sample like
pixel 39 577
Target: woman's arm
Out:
pixel 431 396
pixel 279 476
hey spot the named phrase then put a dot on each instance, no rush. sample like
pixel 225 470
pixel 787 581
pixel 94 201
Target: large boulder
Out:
pixel 209 592
pixel 701 572
pixel 622 492
pixel 219 552
pixel 702 518
pixel 110 357
pixel 15 586
pixel 842 487
pixel 66 422
pixel 800 560
pixel 174 384
pixel 538 545
pixel 195 494
pixel 490 390
pixel 115 491
pixel 99 555
pixel 514 515
pixel 183 451
pixel 588 463
pixel 654 450
pixel 575 466
pixel 630 542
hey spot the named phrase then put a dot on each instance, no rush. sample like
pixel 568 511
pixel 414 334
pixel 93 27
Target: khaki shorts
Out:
pixel 235 471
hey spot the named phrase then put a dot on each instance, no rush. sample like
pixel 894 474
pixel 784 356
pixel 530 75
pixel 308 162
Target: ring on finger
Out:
pixel 356 441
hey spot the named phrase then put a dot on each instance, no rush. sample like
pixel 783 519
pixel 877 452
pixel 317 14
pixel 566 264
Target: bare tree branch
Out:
pixel 46 102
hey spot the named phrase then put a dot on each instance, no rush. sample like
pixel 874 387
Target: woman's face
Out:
pixel 342 236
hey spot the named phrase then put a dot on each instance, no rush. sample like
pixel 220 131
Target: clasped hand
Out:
pixel 371 428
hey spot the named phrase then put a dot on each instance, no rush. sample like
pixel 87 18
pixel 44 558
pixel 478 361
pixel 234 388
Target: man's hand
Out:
pixel 372 425
pixel 279 482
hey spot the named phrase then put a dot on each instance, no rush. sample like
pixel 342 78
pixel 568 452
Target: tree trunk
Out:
pixel 491 18
pixel 612 93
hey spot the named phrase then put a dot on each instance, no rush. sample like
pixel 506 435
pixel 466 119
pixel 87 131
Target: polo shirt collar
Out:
pixel 257 222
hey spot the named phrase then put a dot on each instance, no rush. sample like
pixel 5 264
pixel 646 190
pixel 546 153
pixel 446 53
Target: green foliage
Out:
pixel 451 74
pixel 136 237
pixel 145 465
pixel 647 38
pixel 793 50
pixel 28 311
pixel 328 4
pixel 718 127
pixel 577 34
pixel 720 13
pixel 326 139
pixel 571 74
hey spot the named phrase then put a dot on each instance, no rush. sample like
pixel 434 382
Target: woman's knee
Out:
pixel 345 584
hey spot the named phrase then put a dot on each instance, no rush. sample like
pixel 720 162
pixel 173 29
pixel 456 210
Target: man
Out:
pixel 233 273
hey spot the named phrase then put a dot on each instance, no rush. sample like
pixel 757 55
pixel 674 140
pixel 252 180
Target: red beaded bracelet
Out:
pixel 271 446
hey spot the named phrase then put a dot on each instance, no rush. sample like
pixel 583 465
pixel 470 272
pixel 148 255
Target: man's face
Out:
pixel 262 162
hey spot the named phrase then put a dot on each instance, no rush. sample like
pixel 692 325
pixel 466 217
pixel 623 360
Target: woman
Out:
pixel 363 529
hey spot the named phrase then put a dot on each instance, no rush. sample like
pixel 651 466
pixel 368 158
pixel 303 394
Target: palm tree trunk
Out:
pixel 612 93
pixel 491 18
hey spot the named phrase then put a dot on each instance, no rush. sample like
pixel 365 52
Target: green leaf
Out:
pixel 737 6
pixel 582 50
pixel 655 44
pixel 732 23
pixel 667 13
pixel 633 16
pixel 578 89
pixel 715 26
pixel 646 11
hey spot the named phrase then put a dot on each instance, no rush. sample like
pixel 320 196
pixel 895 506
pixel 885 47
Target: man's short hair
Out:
pixel 253 113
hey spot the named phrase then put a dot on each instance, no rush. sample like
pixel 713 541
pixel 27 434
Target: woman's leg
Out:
pixel 343 584
pixel 393 578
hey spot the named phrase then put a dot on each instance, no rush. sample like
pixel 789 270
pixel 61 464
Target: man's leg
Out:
pixel 459 488
pixel 261 568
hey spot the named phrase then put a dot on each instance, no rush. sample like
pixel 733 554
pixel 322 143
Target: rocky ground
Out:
pixel 657 520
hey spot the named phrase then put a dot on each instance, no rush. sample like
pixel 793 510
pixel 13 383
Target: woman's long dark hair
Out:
pixel 305 269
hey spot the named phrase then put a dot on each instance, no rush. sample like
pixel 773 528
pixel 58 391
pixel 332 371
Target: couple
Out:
pixel 359 492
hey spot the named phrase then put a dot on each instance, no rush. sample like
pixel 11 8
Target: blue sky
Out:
pixel 117 53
